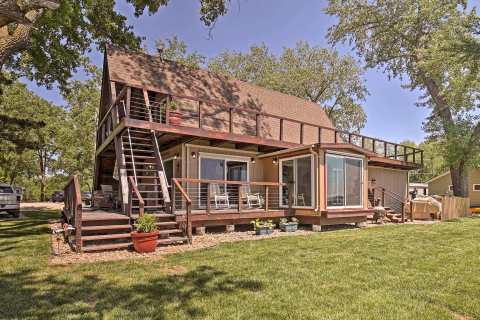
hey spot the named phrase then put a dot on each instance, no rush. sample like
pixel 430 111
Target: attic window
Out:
pixel 450 188
pixel 476 187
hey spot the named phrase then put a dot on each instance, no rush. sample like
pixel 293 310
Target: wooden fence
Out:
pixel 455 207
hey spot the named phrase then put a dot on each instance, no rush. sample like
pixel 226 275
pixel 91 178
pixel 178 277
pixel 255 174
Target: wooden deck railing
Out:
pixel 133 190
pixel 212 196
pixel 73 209
pixel 160 111
pixel 390 199
pixel 188 211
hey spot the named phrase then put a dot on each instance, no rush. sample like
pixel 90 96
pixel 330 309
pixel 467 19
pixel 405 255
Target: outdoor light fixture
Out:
pixel 252 160
pixel 194 155
pixel 175 157
pixel 274 160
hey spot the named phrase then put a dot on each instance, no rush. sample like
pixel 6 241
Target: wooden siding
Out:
pixel 393 180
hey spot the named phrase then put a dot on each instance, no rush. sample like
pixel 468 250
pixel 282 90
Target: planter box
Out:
pixel 263 231
pixel 289 227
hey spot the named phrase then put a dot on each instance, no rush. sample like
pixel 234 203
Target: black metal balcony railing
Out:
pixel 141 105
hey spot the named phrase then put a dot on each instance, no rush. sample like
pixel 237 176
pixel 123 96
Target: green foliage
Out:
pixel 57 45
pixel 176 50
pixel 312 73
pixel 146 223
pixel 258 224
pixel 412 40
pixel 78 147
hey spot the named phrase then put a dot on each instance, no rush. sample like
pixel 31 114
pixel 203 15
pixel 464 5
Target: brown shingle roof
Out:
pixel 151 72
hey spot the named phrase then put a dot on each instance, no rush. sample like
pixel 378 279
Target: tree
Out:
pixel 46 40
pixel 43 141
pixel 176 50
pixel 78 146
pixel 316 74
pixel 406 39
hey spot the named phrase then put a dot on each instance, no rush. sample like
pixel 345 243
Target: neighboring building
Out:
pixel 442 185
pixel 203 149
pixel 422 188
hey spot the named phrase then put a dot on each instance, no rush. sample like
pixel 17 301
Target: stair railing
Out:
pixel 72 209
pixel 395 199
pixel 134 190
pixel 131 154
pixel 161 172
pixel 188 207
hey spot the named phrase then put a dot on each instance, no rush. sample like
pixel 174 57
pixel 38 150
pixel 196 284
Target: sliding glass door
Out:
pixel 297 173
pixel 344 181
pixel 218 168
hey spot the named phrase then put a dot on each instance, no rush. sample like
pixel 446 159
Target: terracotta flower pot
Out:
pixel 144 242
pixel 175 118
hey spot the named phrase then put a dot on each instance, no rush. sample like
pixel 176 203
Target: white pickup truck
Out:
pixel 9 200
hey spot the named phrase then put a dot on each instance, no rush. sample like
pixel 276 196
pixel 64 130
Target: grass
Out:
pixel 392 272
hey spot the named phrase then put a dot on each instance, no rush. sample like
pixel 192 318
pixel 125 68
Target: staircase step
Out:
pixel 139 156
pixel 118 217
pixel 169 231
pixel 105 247
pixel 107 228
pixel 136 144
pixel 137 138
pixel 150 199
pixel 140 150
pixel 107 237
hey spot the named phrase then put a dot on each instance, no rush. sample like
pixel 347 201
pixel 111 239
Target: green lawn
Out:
pixel 393 272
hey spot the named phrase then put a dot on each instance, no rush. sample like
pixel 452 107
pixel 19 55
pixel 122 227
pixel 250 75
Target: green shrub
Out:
pixel 146 223
pixel 257 223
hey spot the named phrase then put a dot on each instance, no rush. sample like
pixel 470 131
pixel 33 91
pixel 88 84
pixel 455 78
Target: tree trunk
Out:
pixel 459 177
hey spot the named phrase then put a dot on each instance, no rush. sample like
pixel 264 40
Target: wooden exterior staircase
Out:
pixel 390 201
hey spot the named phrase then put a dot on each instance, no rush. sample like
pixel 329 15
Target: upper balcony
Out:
pixel 180 118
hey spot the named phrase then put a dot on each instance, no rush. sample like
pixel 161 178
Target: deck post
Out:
pixel 421 157
pixel 405 155
pixel 258 124
pixel 189 222
pixel 301 133
pixel 383 197
pixel 208 198
pixel 385 149
pixel 281 129
pixel 230 120
pixel 266 198
pixel 319 134
pixel 173 198
pixel 335 137
pixel 200 114
pixel 414 153
pixel 373 145
pixel 363 142
pixel 239 199
pixel 396 151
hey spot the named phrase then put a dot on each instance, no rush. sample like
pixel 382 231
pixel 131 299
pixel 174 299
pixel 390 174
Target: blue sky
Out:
pixel 391 110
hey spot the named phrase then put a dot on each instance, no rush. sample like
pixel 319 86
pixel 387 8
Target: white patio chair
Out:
pixel 220 197
pixel 251 199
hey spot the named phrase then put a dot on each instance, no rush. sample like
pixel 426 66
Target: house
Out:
pixel 442 185
pixel 200 149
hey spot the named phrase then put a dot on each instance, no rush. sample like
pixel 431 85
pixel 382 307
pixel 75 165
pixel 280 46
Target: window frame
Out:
pixel 362 185
pixel 312 175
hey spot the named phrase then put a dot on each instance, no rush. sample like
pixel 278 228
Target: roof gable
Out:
pixel 150 72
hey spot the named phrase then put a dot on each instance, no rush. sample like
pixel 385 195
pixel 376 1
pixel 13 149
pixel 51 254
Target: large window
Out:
pixel 297 173
pixel 213 167
pixel 344 181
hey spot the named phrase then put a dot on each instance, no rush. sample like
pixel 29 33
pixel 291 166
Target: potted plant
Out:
pixel 262 227
pixel 175 117
pixel 287 225
pixel 146 235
